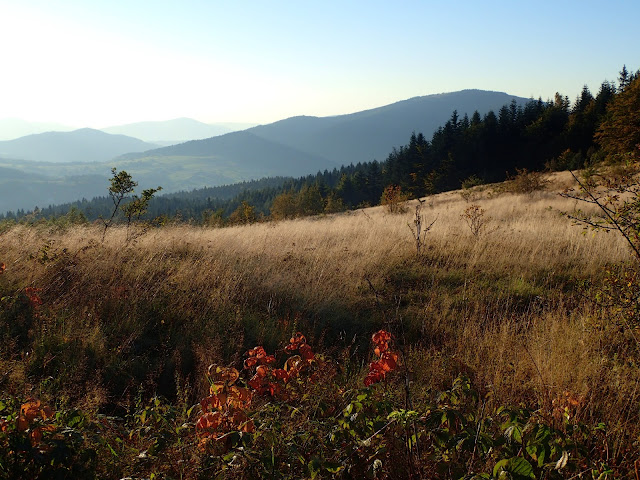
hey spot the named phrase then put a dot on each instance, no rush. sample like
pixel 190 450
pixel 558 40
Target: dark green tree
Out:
pixel 619 134
pixel 121 185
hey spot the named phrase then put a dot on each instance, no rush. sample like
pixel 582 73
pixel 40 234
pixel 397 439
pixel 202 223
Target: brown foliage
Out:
pixel 394 199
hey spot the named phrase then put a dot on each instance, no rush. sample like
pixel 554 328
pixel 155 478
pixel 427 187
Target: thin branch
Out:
pixel 615 223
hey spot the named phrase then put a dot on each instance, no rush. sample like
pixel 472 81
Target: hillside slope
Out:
pixel 343 139
pixel 114 327
pixel 83 145
pixel 371 134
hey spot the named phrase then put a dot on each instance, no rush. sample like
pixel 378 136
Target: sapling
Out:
pixel 420 229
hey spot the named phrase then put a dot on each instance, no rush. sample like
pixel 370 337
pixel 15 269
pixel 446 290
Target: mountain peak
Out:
pixel 81 145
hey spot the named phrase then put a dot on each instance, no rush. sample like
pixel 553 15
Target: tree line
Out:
pixel 554 135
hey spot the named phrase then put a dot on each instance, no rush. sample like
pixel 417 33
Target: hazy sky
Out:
pixel 99 63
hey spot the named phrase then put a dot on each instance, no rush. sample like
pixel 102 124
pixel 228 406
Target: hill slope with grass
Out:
pixel 130 329
pixel 476 333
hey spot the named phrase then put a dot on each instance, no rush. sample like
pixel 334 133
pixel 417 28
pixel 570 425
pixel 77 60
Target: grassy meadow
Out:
pixel 512 309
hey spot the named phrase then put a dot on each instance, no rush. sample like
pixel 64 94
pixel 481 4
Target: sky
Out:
pixel 94 63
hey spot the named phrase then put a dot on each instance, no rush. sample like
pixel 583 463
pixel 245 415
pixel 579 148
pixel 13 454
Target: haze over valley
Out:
pixel 57 167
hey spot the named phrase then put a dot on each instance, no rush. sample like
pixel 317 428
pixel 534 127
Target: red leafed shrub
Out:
pixel 224 409
pixel 33 412
pixel 387 359
pixel 271 381
pixel 32 294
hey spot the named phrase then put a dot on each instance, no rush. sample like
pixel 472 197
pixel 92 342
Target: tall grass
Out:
pixel 507 307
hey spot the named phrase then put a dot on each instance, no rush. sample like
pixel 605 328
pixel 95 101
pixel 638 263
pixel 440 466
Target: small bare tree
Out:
pixel 420 228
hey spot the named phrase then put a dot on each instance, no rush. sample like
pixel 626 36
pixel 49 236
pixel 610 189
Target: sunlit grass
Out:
pixel 505 307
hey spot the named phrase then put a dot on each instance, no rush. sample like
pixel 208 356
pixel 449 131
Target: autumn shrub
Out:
pixel 244 214
pixel 394 199
pixel 526 181
pixel 284 206
pixel 470 187
pixel 38 443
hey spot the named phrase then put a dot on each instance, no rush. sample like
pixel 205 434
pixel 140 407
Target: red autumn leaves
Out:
pixel 32 294
pixel 224 410
pixel 271 381
pixel 31 420
pixel 387 359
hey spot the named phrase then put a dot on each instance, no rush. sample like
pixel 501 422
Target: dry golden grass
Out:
pixel 494 306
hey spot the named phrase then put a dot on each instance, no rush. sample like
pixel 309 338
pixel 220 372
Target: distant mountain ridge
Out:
pixel 249 152
pixel 371 134
pixel 356 137
pixel 82 145
pixel 12 128
pixel 176 130
pixel 295 146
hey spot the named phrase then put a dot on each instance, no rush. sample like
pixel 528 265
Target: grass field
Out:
pixel 513 308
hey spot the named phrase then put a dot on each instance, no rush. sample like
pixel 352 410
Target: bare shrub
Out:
pixel 474 217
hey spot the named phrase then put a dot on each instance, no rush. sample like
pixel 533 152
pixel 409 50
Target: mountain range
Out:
pixel 12 128
pixel 371 134
pixel 291 147
pixel 83 145
pixel 352 138
pixel 170 132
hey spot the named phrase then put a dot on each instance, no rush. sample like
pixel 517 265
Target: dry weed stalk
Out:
pixel 420 229
pixel 473 215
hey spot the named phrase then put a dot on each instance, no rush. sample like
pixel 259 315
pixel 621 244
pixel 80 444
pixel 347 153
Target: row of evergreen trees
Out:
pixel 550 134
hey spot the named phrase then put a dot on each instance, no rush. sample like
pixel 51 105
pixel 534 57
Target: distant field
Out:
pixel 44 184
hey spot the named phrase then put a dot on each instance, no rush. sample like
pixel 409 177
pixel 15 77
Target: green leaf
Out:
pixel 314 467
pixel 75 419
pixel 333 467
pixel 500 466
pixel 113 452
pixel 514 433
pixel 516 466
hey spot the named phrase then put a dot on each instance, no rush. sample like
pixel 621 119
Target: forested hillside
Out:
pixel 538 135
pixel 291 147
